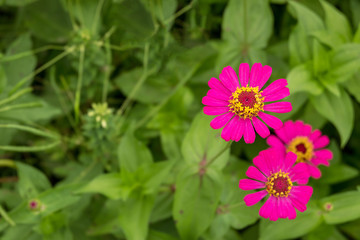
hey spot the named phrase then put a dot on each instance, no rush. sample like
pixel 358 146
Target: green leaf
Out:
pixel 299 52
pixel 31 181
pixel 286 229
pixel 321 62
pixel 338 110
pixel 132 153
pixel 301 78
pixel 3 78
pixel 353 86
pixel 157 235
pixel 336 22
pixel 135 215
pixel 202 143
pixel 325 231
pixel 248 23
pixel 155 175
pixel 338 173
pixel 345 207
pixel 48 20
pixel 195 202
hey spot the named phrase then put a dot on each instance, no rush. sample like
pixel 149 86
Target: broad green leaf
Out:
pixel 202 143
pixel 31 181
pixel 48 20
pixel 312 117
pixel 195 202
pixel 338 173
pixel 135 215
pixel 336 22
pixel 299 52
pixel 353 86
pixel 351 229
pixel 355 8
pixel 301 78
pixel 287 229
pixel 157 235
pixel 338 110
pixel 132 153
pixel 356 38
pixel 163 205
pixel 325 231
pixel 3 78
pixel 14 75
pixel 21 232
pixel 155 174
pixel 321 62
pixel 345 207
pixel 16 3
pixel 247 23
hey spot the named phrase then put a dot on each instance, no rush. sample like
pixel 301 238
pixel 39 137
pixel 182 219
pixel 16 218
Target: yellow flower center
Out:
pixel 302 147
pixel 279 184
pixel 246 102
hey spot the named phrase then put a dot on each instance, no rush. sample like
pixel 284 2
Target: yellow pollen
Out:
pixel 246 102
pixel 279 184
pixel 302 147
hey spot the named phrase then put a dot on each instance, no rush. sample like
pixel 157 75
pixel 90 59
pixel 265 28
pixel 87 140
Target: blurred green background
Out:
pixel 100 124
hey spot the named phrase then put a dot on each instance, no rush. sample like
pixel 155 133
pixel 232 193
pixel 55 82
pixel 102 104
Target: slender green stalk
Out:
pixel 6 216
pixel 180 12
pixel 30 130
pixel 30 52
pixel 29 149
pixel 21 106
pixel 97 15
pixel 107 70
pixel 7 163
pixel 15 96
pixel 40 69
pixel 71 14
pixel 79 83
pixel 227 146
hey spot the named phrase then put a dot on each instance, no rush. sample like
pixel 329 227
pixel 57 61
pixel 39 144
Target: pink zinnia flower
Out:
pixel 239 106
pixel 276 173
pixel 308 145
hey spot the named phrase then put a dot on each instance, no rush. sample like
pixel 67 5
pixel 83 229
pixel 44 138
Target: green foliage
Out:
pixel 101 122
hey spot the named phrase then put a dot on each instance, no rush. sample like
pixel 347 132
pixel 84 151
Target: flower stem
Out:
pixel 227 146
pixel 6 216
pixel 7 163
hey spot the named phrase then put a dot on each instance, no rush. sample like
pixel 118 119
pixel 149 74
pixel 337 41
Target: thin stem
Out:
pixel 21 106
pixel 15 96
pixel 226 147
pixel 107 70
pixel 7 163
pixel 71 14
pixel 180 12
pixel 40 69
pixel 6 216
pixel 97 15
pixel 31 52
pixel 79 83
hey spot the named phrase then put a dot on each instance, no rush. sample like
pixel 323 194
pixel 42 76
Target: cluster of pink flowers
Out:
pixel 295 150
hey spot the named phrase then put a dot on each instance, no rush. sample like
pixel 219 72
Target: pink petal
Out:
pixel 228 130
pixel 260 127
pixel 300 173
pixel 240 129
pixel 209 101
pixel 262 165
pixel 314 171
pixel 320 161
pixel 267 209
pixel 275 213
pixel 315 134
pixel 217 85
pixel 276 143
pixel 297 204
pixel 324 154
pixel 221 120
pixel 215 110
pixel 321 142
pixel 218 94
pixel 273 159
pixel 244 71
pixel 254 198
pixel 255 74
pixel 279 107
pixel 287 132
pixel 254 173
pixel 301 193
pixel 282 93
pixel 270 120
pixel 265 75
pixel 249 133
pixel 274 87
pixel 229 78
pixel 288 211
pixel 248 184
pixel 290 160
pixel 306 130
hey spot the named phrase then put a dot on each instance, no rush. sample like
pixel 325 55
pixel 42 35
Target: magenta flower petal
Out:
pixel 278 95
pixel 249 133
pixel 265 75
pixel 290 160
pixel 275 142
pixel 213 102
pixel 267 209
pixel 260 128
pixel 278 107
pixel 255 74
pixel 321 142
pixel 320 161
pixel 217 85
pixel 314 171
pixel 270 120
pixel 229 78
pixel 254 173
pixel 302 193
pixel 324 154
pixel 300 173
pixel 215 110
pixel 288 208
pixel 226 133
pixel 262 165
pixel 218 95
pixel 244 72
pixel 274 87
pixel 297 204
pixel 240 129
pixel 221 120
pixel 254 198
pixel 315 135
pixel 248 184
